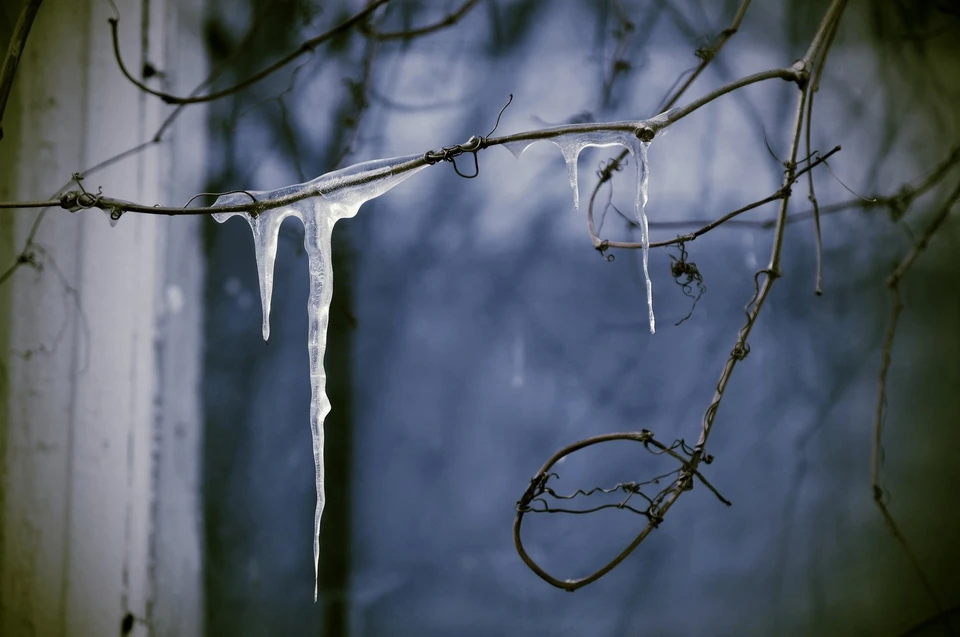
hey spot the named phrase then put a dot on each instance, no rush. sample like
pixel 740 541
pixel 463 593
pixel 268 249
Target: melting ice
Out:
pixel 571 143
pixel 319 204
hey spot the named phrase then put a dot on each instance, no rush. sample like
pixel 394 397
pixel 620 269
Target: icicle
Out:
pixel 570 145
pixel 266 233
pixel 319 204
pixel 640 211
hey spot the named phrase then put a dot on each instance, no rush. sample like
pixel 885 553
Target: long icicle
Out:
pixel 319 204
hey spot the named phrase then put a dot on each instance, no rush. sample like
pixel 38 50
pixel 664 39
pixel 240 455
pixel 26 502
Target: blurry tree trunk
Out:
pixel 335 551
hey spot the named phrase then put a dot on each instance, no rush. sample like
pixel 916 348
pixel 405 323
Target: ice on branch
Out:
pixel 319 204
pixel 570 145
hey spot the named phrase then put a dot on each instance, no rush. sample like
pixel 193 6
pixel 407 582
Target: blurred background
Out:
pixel 475 331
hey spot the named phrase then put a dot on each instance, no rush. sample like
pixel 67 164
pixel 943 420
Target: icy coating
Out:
pixel 321 203
pixel 571 143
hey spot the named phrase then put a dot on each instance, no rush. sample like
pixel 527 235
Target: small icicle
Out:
pixel 640 210
pixel 343 192
pixel 266 234
pixel 571 152
pixel 570 145
pixel 517 148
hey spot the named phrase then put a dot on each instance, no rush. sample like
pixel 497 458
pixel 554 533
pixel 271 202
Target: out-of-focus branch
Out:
pixel 305 47
pixel 14 52
pixel 706 55
pixel 893 282
pixel 449 20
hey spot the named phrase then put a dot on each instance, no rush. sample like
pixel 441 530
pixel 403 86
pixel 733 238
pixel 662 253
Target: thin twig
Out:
pixel 26 255
pixel 707 54
pixel 645 128
pixel 781 193
pixel 666 499
pixel 361 102
pixel 708 57
pixel 772 272
pixel 620 64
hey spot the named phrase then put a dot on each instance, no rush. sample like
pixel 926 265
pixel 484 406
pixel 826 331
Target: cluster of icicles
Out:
pixel 320 203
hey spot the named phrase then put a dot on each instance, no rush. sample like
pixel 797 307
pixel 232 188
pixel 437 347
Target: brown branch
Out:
pixel 683 481
pixel 897 202
pixel 893 282
pixel 707 54
pixel 615 163
pixel 305 47
pixel 772 272
pixel 448 21
pixel 664 501
pixel 74 200
pixel 781 193
pixel 15 51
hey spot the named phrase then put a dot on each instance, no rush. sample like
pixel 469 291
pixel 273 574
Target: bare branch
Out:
pixel 644 129
pixel 448 21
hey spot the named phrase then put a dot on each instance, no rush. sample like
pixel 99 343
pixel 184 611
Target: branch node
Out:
pixel 68 201
pixel 801 73
pixel 646 134
pixel 740 351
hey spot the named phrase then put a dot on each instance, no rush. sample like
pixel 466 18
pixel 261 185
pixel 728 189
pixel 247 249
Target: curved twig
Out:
pixel 654 512
pixel 448 21
pixel 305 47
